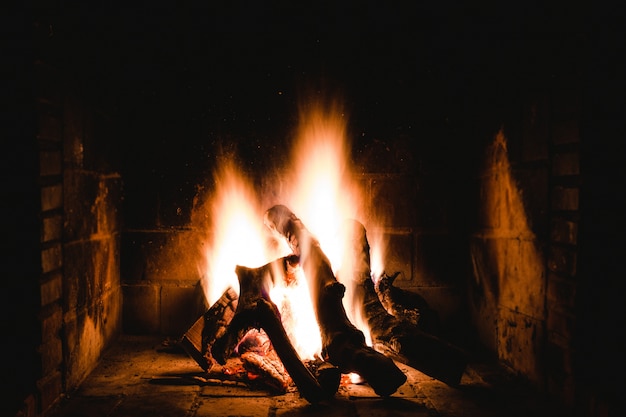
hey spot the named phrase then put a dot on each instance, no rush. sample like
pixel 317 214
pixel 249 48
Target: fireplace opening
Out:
pixel 311 289
pixel 470 168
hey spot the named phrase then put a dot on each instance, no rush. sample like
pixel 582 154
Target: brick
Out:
pixel 521 277
pixel 562 260
pixel 141 309
pixel 565 198
pixel 50 163
pixel 93 201
pixel 511 272
pixel 560 323
pixel 51 258
pixel 170 403
pixel 51 355
pixel 447 301
pixel 73 131
pixel 85 340
pixel 532 205
pixel 564 231
pixel 48 127
pixel 91 267
pixel 397 255
pixel 50 389
pixel 52 228
pixel 565 131
pixel 51 289
pixel 236 407
pixel 170 255
pixel 47 84
pixel 111 314
pixel 29 408
pixel 490 202
pixel 394 201
pixel 51 197
pixel 520 343
pixel 566 163
pixel 52 323
pixel 432 255
pixel 180 308
pixel 558 361
pixel 561 293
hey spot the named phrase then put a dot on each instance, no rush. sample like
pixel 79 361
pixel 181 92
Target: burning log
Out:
pixel 261 361
pixel 406 305
pixel 404 340
pixel 343 344
pixel 256 310
pixel 209 327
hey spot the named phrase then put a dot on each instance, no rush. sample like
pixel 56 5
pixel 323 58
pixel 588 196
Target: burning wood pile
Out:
pixel 248 327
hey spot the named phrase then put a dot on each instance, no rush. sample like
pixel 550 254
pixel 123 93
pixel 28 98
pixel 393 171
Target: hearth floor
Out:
pixel 148 376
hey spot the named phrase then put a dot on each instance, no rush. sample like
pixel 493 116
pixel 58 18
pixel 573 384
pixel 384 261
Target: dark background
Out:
pixel 182 80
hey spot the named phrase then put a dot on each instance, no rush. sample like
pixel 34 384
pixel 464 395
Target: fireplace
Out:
pixel 482 163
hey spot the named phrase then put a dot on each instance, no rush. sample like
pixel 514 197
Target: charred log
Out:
pixel 401 339
pixel 256 310
pixel 407 305
pixel 267 369
pixel 212 325
pixel 343 344
pixel 327 374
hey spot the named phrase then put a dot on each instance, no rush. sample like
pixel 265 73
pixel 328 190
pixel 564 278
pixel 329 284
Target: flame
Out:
pixel 325 194
pixel 294 303
pixel 238 236
pixel 377 254
pixel 322 193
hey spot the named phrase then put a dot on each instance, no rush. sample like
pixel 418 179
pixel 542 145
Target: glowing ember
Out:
pixel 323 194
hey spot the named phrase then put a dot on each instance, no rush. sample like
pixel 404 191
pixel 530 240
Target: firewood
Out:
pixel 342 343
pixel 256 310
pixel 327 374
pixel 211 325
pixel 406 305
pixel 269 370
pixel 402 339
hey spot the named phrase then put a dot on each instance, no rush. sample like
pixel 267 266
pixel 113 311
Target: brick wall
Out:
pixel 562 249
pixel 70 294
pixel 162 263
pixel 161 280
pixel 524 252
pixel 49 136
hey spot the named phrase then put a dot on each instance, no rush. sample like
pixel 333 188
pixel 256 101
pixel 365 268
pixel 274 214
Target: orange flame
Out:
pixel 322 193
pixel 238 236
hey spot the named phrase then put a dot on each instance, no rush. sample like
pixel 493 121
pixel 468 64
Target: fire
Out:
pixel 294 303
pixel 325 194
pixel 322 193
pixel 377 255
pixel 238 237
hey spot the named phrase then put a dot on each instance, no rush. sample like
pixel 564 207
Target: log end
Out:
pixel 379 371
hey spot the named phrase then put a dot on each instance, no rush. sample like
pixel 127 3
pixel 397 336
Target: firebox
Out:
pixel 441 183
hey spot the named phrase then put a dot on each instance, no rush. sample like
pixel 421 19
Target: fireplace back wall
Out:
pixel 471 147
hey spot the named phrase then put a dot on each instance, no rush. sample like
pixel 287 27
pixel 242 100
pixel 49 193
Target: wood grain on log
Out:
pixel 402 339
pixel 213 324
pixel 256 310
pixel 343 344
